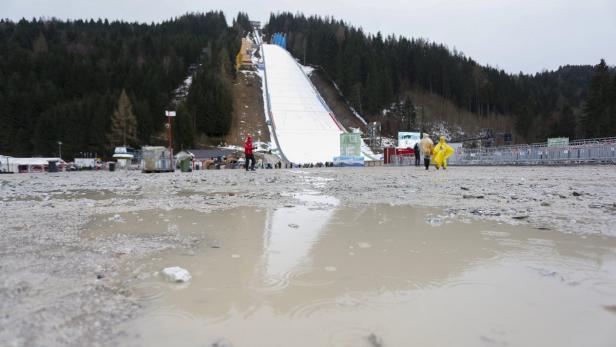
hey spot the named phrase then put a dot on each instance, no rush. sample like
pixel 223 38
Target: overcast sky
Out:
pixel 515 35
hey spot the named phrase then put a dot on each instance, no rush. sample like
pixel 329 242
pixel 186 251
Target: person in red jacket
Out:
pixel 248 147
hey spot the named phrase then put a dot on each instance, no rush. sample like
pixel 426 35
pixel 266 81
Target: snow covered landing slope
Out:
pixel 304 127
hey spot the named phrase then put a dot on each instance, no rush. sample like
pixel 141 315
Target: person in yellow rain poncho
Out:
pixel 427 146
pixel 441 152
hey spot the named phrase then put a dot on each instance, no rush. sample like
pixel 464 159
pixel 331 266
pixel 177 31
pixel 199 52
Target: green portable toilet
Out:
pixel 185 165
pixel 53 166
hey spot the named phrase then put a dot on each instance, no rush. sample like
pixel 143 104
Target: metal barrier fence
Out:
pixel 401 160
pixel 588 151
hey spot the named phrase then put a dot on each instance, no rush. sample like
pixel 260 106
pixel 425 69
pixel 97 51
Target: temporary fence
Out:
pixel 401 160
pixel 587 151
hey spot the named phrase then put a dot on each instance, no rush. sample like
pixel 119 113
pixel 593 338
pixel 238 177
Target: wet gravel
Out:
pixel 59 288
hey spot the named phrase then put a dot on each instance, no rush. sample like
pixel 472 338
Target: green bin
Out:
pixel 185 165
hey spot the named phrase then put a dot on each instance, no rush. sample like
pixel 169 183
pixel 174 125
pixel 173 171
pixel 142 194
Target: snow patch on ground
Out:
pixel 234 148
pixel 442 128
pixel 389 142
pixel 355 113
pixel 308 70
pixel 248 72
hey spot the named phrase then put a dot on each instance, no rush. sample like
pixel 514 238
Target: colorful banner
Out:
pixel 408 139
pixel 350 144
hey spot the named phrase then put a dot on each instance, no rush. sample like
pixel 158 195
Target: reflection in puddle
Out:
pixel 290 234
pixel 325 275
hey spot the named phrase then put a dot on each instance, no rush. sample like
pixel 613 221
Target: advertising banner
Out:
pixel 349 161
pixel 350 145
pixel 408 139
pixel 558 142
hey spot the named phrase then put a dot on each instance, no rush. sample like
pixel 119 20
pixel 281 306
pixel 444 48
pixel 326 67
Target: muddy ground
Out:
pixel 248 116
pixel 60 287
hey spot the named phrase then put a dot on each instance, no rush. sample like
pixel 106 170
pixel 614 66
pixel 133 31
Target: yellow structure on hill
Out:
pixel 243 60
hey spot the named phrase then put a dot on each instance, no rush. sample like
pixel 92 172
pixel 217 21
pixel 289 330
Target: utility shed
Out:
pixel 27 165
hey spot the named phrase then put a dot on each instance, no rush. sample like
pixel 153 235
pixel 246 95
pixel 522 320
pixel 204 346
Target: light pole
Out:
pixel 60 149
pixel 170 114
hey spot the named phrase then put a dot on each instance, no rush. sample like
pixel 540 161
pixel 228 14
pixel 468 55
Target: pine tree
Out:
pixel 242 23
pixel 184 131
pixel 40 44
pixel 410 114
pixel 596 119
pixel 123 123
pixel 613 108
pixel 566 124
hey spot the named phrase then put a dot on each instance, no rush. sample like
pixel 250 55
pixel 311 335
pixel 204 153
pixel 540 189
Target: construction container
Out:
pixel 392 151
pixel 156 159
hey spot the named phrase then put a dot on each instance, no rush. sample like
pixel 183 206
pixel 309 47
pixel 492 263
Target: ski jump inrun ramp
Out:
pixel 305 129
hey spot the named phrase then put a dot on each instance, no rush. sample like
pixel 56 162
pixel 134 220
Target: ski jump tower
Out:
pixel 303 126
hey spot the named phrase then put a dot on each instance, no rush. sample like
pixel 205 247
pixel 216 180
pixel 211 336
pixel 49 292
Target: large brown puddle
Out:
pixel 323 275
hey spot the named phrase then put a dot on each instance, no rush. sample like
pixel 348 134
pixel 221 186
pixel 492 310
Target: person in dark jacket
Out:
pixel 248 147
pixel 417 154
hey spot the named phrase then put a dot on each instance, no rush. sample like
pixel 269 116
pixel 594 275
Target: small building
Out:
pixel 124 156
pixel 29 165
pixel 156 159
pixel 87 161
pixel 255 24
pixel 244 56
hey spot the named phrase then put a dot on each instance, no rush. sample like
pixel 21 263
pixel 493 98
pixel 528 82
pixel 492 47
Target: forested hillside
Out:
pixel 373 72
pixel 97 84
pixel 64 80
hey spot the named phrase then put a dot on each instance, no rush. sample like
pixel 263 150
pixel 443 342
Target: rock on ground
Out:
pixel 176 274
